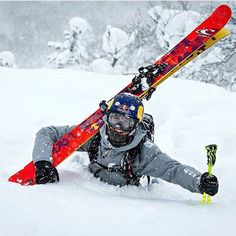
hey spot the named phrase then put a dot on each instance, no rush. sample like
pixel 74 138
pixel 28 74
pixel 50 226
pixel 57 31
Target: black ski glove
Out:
pixel 45 172
pixel 208 184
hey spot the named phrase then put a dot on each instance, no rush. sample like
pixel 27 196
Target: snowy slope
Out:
pixel 188 116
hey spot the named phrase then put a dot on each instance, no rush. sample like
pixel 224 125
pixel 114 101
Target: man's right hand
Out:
pixel 209 184
pixel 45 172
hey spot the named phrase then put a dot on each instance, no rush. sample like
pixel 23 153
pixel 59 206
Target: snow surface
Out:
pixel 188 116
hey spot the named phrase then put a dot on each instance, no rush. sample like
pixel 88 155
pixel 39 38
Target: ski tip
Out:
pixel 225 8
pixel 12 178
pixel 26 176
pixel 15 179
pixel 25 182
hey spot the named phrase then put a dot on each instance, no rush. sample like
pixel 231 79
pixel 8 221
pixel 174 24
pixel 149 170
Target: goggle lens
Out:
pixel 126 123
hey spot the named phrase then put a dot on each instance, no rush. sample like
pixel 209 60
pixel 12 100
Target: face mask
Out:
pixel 118 138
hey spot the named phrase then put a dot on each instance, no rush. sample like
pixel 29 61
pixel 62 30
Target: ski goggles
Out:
pixel 126 123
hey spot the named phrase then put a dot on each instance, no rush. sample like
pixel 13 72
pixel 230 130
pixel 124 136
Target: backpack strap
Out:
pixel 148 124
pixel 129 159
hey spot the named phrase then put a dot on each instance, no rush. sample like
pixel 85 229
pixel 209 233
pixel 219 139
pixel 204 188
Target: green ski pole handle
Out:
pixel 211 159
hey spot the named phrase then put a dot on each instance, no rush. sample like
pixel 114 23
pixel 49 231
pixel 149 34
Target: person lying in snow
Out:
pixel 123 151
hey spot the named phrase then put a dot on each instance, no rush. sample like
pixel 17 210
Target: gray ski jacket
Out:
pixel 151 161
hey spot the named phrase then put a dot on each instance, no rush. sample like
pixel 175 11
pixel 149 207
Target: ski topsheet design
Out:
pixel 204 36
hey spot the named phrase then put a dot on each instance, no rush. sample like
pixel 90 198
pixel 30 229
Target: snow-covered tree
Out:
pixel 7 59
pixel 144 48
pixel 173 25
pixel 76 50
pixel 114 45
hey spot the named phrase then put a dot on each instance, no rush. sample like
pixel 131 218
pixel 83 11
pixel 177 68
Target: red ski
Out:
pixel 205 35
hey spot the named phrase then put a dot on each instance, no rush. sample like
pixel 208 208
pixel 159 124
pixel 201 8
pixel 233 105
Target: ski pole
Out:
pixel 211 159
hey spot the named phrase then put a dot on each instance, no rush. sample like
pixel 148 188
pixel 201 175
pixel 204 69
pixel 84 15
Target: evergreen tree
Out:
pixel 115 42
pixel 76 50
